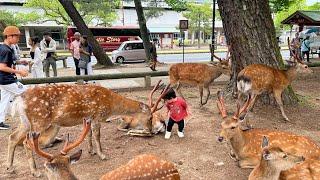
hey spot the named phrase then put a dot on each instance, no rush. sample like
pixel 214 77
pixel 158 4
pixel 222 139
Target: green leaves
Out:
pixel 95 12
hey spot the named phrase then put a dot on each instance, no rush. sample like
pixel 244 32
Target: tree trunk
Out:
pixel 199 31
pixel 143 29
pixel 250 32
pixel 98 52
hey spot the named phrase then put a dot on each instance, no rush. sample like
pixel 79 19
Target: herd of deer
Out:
pixel 43 110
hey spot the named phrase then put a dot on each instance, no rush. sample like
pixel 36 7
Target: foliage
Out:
pixel 280 16
pixel 280 5
pixel 95 12
pixel 199 13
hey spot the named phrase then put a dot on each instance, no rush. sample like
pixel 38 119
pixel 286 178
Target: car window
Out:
pixel 129 46
pixel 137 46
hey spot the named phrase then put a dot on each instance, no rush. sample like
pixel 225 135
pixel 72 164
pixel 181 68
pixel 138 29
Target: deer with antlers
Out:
pixel 144 166
pixel 258 78
pixel 196 74
pixel 273 161
pixel 47 108
pixel 246 146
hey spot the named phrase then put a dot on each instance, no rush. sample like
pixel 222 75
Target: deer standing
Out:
pixel 246 144
pixel 273 161
pixel 47 108
pixel 195 74
pixel 141 167
pixel 258 78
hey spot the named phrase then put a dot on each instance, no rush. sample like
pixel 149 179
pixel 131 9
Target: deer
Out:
pixel 245 144
pixel 308 170
pixel 258 78
pixel 56 106
pixel 196 74
pixel 273 161
pixel 158 118
pixel 145 166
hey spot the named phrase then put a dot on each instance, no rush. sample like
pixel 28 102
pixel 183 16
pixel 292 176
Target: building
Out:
pixel 163 29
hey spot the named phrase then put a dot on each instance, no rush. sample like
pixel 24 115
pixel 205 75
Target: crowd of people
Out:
pixel 300 47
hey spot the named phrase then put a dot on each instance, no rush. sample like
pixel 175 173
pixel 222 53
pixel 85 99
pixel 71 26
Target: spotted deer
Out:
pixel 47 108
pixel 246 144
pixel 158 118
pixel 144 166
pixel 308 170
pixel 258 78
pixel 273 161
pixel 196 74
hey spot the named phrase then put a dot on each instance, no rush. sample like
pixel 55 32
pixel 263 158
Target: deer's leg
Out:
pixel 248 163
pixel 277 96
pixel 201 95
pixel 31 161
pixel 96 134
pixel 208 95
pixel 90 147
pixel 14 139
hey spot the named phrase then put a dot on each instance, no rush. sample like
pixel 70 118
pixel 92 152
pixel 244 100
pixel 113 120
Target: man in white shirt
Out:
pixel 48 49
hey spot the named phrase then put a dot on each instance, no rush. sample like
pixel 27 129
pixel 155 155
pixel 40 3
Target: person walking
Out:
pixel 295 46
pixel 36 61
pixel 305 47
pixel 48 49
pixel 74 48
pixel 9 85
pixel 85 57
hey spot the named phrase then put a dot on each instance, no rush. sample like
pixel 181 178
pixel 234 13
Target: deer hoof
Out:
pixel 287 119
pixel 10 170
pixel 103 157
pixel 36 174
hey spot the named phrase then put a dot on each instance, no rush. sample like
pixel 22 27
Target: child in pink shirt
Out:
pixel 177 110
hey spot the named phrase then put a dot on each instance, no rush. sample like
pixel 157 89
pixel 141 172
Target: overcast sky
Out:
pixel 309 2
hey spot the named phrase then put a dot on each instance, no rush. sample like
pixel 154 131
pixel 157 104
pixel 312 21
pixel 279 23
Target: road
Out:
pixel 175 58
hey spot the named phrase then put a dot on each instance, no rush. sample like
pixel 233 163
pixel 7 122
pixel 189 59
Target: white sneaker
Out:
pixel 180 134
pixel 167 135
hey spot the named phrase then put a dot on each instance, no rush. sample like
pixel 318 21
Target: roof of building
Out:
pixel 310 18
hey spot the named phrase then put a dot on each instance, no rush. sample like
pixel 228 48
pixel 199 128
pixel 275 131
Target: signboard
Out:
pixel 183 24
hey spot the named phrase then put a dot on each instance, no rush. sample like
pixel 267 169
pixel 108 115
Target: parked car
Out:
pixel 129 51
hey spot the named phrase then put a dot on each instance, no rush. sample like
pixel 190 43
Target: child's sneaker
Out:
pixel 4 126
pixel 167 135
pixel 180 134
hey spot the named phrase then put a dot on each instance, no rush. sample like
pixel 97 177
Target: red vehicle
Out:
pixel 110 38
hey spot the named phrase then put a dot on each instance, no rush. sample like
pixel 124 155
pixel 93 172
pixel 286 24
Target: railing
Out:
pixel 146 75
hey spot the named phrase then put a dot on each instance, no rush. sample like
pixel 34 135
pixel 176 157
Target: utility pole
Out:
pixel 122 12
pixel 213 27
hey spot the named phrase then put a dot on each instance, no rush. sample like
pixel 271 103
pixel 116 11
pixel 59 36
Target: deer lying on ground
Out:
pixel 47 108
pixel 201 75
pixel 158 119
pixel 141 167
pixel 308 170
pixel 258 78
pixel 273 161
pixel 246 145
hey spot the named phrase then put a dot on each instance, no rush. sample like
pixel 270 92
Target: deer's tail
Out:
pixel 244 84
pixel 18 109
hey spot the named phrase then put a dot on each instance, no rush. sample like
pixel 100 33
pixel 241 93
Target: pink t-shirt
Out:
pixel 177 108
pixel 75 45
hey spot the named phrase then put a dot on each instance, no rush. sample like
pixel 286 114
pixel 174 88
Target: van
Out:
pixel 129 51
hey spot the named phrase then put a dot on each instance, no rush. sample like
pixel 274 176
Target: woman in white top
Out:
pixel 36 61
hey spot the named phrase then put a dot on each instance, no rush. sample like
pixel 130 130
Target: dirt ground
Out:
pixel 198 155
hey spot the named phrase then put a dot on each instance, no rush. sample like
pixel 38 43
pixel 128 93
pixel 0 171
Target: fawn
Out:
pixel 47 108
pixel 273 161
pixel 195 74
pixel 246 144
pixel 258 78
pixel 144 166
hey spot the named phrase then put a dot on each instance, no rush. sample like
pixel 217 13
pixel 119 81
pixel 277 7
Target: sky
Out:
pixel 310 2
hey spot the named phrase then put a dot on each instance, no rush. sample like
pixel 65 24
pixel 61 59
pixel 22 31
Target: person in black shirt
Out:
pixel 9 85
pixel 48 48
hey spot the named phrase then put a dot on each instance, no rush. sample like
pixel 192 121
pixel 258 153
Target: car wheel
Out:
pixel 120 60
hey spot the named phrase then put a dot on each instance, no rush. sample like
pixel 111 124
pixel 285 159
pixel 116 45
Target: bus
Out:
pixel 110 38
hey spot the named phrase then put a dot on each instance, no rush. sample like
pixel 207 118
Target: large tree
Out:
pixel 250 32
pixel 143 28
pixel 99 53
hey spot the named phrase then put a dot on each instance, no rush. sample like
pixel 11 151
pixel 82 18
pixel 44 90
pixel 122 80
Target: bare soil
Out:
pixel 198 155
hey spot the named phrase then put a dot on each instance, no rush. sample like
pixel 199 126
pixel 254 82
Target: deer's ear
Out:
pixel 265 142
pixel 75 157
pixel 144 107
